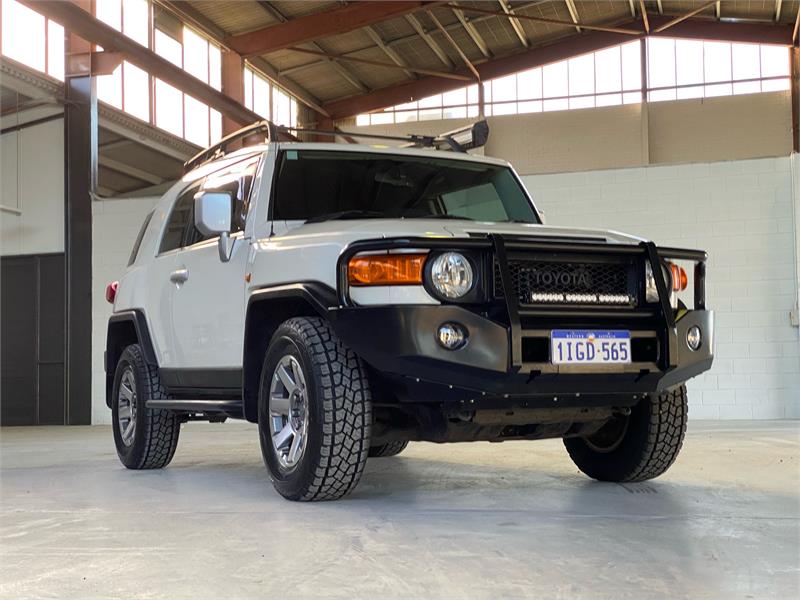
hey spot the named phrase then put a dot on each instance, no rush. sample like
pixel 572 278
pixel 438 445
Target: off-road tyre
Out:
pixel 339 412
pixel 649 444
pixel 156 431
pixel 390 449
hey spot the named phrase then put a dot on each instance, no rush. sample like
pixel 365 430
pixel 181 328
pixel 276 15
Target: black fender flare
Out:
pixel 303 298
pixel 139 321
pixel 118 335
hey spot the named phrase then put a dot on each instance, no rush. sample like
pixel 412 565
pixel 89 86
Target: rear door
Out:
pixel 208 305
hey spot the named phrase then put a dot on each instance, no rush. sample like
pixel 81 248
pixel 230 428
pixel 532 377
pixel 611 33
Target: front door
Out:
pixel 208 307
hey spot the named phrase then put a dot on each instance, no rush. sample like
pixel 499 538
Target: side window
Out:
pixel 238 181
pixel 182 214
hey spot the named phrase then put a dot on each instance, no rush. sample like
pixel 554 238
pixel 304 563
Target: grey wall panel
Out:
pixel 32 340
pixel 18 341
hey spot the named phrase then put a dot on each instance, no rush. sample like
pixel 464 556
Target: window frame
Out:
pixel 197 185
pixel 139 237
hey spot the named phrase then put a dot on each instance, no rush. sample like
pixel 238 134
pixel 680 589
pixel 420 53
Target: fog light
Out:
pixel 694 338
pixel 452 336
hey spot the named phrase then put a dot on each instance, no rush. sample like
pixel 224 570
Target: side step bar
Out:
pixel 205 406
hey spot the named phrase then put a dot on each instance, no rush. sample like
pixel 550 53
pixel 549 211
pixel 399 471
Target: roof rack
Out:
pixel 458 140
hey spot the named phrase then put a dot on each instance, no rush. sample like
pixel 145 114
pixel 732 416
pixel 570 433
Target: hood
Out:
pixel 388 228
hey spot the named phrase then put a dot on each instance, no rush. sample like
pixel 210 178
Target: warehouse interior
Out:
pixel 674 120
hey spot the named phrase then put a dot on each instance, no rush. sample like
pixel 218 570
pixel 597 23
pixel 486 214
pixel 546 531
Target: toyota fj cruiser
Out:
pixel 350 299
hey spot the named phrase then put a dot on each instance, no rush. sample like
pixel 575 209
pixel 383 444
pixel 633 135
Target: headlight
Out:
pixel 650 282
pixel 451 275
pixel 674 277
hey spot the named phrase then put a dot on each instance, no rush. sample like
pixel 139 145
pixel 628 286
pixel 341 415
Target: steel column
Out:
pixel 80 178
pixel 794 56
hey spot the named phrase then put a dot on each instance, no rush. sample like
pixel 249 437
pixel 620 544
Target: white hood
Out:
pixel 388 228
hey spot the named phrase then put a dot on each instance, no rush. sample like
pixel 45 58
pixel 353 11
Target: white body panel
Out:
pixel 208 308
pixel 200 323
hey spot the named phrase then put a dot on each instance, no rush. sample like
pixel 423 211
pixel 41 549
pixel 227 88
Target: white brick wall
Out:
pixel 115 224
pixel 741 213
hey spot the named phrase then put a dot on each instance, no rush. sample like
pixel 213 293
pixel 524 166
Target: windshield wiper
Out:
pixel 346 214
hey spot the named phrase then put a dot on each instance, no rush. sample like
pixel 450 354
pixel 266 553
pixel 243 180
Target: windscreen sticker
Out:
pixel 291 155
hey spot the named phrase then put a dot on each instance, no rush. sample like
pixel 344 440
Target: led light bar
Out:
pixel 552 297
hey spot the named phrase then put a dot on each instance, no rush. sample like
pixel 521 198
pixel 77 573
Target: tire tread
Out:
pixel 346 401
pixel 162 427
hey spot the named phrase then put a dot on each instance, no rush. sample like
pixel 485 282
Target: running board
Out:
pixel 204 406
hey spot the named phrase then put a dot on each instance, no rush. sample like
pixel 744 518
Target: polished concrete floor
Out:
pixel 457 521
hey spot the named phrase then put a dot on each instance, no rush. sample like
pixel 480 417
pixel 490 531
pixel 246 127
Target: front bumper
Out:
pixel 401 340
pixel 507 356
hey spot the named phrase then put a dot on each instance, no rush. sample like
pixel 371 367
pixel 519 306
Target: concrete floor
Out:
pixel 458 521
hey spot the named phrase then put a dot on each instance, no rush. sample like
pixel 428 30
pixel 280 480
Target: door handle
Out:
pixel 179 276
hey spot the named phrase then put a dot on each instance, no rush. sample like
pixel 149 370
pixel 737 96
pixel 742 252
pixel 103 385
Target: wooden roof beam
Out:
pixel 694 28
pixel 473 33
pixel 377 63
pixel 455 46
pixel 432 44
pixel 515 24
pixel 320 25
pixel 573 12
pixel 497 67
pixel 682 18
pixel 391 53
pixel 343 71
pixel 570 24
pixel 645 20
pixel 194 18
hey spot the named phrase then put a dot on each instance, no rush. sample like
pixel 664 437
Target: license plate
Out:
pixel 569 346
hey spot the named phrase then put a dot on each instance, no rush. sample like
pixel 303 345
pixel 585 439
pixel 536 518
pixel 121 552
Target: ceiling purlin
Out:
pixel 345 73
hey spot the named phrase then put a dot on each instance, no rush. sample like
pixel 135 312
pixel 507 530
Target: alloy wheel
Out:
pixel 288 412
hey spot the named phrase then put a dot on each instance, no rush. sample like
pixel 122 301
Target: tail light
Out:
pixel 111 291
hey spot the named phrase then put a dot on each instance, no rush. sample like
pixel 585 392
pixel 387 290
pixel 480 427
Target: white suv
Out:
pixel 350 299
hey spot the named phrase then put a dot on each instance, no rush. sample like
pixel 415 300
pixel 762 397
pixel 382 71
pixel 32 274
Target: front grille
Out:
pixel 555 282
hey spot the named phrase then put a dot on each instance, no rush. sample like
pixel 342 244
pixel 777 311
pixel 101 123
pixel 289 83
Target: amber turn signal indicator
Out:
pixel 679 278
pixel 386 269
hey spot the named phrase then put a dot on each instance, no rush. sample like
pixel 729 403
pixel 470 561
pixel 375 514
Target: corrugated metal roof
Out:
pixel 234 16
pixel 326 80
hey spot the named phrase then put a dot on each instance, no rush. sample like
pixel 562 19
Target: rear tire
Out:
pixel 321 397
pixel 638 447
pixel 145 438
pixel 385 450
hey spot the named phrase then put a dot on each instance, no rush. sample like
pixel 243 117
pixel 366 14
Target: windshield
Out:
pixel 315 185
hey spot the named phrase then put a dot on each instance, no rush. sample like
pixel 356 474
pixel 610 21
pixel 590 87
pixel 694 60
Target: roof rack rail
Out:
pixel 268 128
pixel 458 140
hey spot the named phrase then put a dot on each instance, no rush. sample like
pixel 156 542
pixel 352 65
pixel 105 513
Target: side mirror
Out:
pixel 212 216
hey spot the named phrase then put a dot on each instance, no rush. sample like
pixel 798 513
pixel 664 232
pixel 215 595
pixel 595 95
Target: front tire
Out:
pixel 314 412
pixel 145 438
pixel 638 447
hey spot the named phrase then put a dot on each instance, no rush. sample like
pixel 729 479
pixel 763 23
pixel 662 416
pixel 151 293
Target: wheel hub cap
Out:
pixel 288 411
